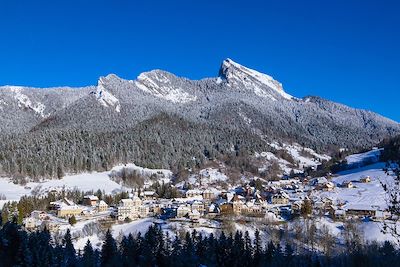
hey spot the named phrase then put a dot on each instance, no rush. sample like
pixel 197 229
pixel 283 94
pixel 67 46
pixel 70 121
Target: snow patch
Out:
pixel 24 101
pixel 159 85
pixel 105 97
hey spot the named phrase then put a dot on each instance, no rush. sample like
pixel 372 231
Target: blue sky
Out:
pixel 345 51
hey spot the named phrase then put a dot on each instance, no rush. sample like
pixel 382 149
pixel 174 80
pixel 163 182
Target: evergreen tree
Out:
pixel 257 248
pixel 72 220
pixel 109 251
pixel 88 258
pixel 69 250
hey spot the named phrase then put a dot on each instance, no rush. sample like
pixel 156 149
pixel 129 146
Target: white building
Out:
pixel 132 209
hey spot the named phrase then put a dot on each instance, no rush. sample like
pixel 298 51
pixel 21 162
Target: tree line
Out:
pixel 156 248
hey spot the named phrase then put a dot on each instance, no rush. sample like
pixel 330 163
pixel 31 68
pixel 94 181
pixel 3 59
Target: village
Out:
pixel 281 200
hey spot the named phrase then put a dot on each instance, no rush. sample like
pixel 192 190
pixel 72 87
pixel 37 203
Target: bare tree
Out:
pixel 393 202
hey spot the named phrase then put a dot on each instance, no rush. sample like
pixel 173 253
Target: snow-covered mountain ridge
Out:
pixel 164 119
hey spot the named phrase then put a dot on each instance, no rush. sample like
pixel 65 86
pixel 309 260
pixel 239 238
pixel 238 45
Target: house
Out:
pixel 102 206
pixel 329 186
pixel 347 184
pixel 30 223
pixel 296 207
pixel 182 211
pixel 213 209
pixel 149 195
pixel 252 208
pixel 208 194
pixel 280 198
pixel 50 225
pixel 237 204
pixel 198 205
pixel 90 200
pixel 194 215
pixel 339 214
pixel 226 208
pixel 39 215
pixel 361 210
pixel 365 179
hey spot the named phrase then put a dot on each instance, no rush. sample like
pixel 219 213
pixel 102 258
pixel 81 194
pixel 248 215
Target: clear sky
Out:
pixel 345 51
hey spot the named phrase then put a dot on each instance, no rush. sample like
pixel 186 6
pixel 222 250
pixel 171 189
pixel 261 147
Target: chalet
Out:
pixel 149 195
pixel 329 186
pixel 322 183
pixel 347 184
pixel 365 179
pixel 90 200
pixel 381 215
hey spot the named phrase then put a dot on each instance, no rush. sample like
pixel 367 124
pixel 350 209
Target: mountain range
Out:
pixel 179 118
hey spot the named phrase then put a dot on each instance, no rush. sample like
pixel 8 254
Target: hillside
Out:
pixel 161 120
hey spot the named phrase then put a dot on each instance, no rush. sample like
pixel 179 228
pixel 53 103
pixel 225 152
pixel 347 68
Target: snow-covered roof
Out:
pixel 91 197
pixel 360 206
pixel 126 200
pixel 195 212
pixel 102 203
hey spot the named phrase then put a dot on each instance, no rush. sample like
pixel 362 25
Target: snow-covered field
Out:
pixel 370 194
pixel 83 181
pixel 371 156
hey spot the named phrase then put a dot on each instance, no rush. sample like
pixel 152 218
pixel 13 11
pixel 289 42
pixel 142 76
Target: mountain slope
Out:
pixel 220 113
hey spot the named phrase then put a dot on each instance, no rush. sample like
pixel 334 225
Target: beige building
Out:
pixel 66 208
pixel 102 206
pixel 69 211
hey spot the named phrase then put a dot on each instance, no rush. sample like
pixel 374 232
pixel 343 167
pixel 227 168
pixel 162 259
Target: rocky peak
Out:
pixel 261 84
